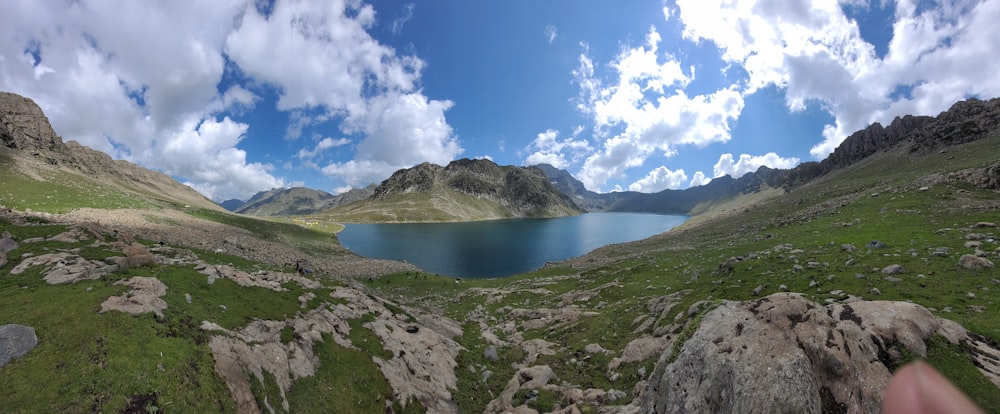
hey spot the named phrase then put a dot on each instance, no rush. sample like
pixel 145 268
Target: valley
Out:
pixel 834 274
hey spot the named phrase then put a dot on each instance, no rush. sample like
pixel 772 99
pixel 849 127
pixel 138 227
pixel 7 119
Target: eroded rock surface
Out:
pixel 144 297
pixel 421 367
pixel 784 353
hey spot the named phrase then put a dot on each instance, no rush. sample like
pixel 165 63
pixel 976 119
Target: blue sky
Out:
pixel 233 97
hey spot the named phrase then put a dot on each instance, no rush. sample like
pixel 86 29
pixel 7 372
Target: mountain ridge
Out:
pixel 34 147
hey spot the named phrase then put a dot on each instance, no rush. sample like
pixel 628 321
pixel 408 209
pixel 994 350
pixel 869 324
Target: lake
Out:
pixel 499 248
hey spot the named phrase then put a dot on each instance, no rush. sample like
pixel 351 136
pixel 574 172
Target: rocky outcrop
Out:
pixel 965 121
pixel 23 126
pixel 15 342
pixel 144 297
pixel 421 366
pixel 264 279
pixel 784 353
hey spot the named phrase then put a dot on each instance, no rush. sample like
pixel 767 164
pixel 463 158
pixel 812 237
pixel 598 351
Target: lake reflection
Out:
pixel 500 247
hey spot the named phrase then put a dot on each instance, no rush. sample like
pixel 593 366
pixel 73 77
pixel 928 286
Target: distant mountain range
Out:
pixel 294 201
pixel 455 191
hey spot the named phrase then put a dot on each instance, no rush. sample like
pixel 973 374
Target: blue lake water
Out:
pixel 500 248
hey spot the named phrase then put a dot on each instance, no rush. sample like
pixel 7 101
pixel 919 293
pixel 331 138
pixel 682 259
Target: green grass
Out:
pixel 60 192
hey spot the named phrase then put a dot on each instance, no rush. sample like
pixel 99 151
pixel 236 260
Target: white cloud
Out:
pixel 647 111
pixel 550 33
pixel 938 54
pixel 321 56
pixel 134 80
pixel 750 163
pixel 548 149
pixel 401 130
pixel 659 179
pixel 699 179
pixel 322 145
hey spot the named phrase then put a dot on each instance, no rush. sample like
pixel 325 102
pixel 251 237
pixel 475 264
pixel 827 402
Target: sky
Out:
pixel 232 97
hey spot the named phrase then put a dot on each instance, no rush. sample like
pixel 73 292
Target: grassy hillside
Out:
pixel 811 239
pixel 793 240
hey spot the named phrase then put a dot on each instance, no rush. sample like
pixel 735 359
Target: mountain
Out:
pixel 461 191
pixel 666 201
pixel 32 152
pixel 296 201
pixel 232 204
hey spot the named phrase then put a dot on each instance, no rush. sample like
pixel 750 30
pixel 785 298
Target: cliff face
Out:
pixel 26 134
pixel 523 192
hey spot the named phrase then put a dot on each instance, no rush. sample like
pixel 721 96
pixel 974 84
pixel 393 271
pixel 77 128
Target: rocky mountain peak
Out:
pixel 24 126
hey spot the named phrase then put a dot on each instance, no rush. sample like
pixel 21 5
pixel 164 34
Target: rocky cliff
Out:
pixel 27 136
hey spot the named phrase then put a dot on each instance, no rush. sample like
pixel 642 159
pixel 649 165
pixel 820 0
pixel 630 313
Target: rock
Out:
pixel 847 248
pixel 982 224
pixel 7 244
pixel 615 395
pixel 3 259
pixel 784 353
pixel 970 295
pixel 893 279
pixel 975 236
pixel 757 290
pixel 490 353
pixel 875 291
pixel 486 375
pixel 875 244
pixel 970 261
pixel 144 297
pixel 893 269
pixel 924 188
pixel 797 268
pixel 813 283
pixel 595 349
pixel 640 349
pixel 15 342
pixel 783 288
pixel 187 298
pixel 61 268
pixel 973 244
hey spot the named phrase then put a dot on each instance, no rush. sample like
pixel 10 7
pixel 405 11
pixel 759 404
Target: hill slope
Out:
pixel 40 170
pixel 463 190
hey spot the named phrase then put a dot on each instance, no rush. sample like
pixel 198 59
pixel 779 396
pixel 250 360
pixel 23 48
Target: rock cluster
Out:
pixel 784 353
pixel 421 366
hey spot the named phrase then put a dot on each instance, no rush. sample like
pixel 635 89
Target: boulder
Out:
pixel 875 244
pixel 893 269
pixel 3 259
pixel 784 353
pixel 15 341
pixel 970 261
pixel 7 244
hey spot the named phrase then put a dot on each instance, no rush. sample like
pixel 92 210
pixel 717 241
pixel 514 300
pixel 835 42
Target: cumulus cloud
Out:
pixel 138 81
pixel 647 111
pixel 546 148
pixel 659 179
pixel 401 130
pixel 321 56
pixel 937 56
pixel 750 163
pixel 699 178
pixel 157 71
